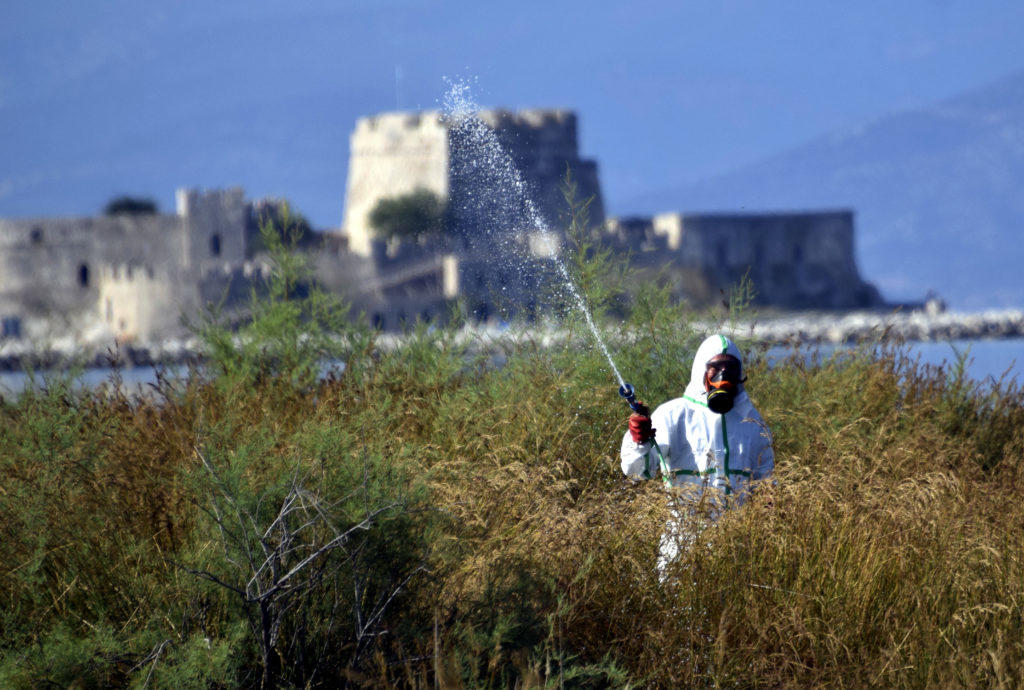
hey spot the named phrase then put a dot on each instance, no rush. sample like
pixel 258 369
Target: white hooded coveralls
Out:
pixel 725 452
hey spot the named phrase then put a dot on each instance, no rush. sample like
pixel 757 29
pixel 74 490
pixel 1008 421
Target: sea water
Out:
pixel 986 361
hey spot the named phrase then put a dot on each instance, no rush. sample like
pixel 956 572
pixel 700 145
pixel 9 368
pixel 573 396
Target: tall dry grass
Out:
pixel 490 538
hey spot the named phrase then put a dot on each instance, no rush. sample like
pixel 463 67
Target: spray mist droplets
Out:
pixel 494 204
pixel 458 101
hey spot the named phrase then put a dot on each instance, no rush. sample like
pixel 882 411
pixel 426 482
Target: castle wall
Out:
pixel 50 268
pixel 390 155
pixel 42 263
pixel 795 260
pixel 138 301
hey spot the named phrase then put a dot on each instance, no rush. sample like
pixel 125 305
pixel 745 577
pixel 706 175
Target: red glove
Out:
pixel 640 425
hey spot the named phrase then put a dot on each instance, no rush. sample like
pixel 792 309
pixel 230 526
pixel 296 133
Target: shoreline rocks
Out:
pixel 803 327
pixel 853 327
pixel 16 356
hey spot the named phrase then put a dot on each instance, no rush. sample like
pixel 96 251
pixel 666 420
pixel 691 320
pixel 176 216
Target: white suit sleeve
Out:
pixel 638 459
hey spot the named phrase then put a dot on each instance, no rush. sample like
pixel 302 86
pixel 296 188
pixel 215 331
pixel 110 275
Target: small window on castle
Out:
pixel 129 272
pixel 83 275
pixel 723 254
pixel 215 245
pixel 35 236
pixel 798 253
pixel 10 327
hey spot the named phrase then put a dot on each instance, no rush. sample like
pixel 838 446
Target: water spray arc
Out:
pixel 460 110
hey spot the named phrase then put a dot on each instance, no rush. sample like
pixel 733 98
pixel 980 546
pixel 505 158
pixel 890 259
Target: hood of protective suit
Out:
pixel 712 345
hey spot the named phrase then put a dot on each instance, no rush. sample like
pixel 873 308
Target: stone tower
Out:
pixel 396 153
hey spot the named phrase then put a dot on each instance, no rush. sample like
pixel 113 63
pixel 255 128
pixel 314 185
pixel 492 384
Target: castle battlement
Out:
pixel 401 121
pixel 191 201
pixel 127 272
pixel 560 121
pixel 555 120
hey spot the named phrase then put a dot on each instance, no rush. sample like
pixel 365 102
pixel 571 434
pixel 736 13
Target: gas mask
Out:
pixel 722 380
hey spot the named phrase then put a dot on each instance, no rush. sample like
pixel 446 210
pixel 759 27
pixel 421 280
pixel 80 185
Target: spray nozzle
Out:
pixel 629 393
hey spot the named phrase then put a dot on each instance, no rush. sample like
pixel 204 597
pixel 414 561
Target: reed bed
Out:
pixel 424 518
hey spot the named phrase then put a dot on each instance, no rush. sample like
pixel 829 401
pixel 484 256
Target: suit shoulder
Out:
pixel 672 407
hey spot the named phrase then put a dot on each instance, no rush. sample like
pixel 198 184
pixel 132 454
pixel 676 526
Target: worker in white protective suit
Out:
pixel 711 438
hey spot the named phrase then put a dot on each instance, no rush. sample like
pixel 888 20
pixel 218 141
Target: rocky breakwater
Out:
pixel 16 355
pixel 856 327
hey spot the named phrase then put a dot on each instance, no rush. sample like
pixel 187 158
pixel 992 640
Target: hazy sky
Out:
pixel 103 98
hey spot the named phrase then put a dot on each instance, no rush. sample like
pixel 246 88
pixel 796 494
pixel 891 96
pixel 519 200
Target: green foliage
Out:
pixel 130 206
pixel 292 229
pixel 593 269
pixel 196 661
pixel 64 659
pixel 296 328
pixel 974 411
pixel 420 213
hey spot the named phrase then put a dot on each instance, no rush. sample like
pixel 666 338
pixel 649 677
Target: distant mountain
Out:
pixel 937 194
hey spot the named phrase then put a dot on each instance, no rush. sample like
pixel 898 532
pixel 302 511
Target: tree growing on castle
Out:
pixel 130 205
pixel 292 227
pixel 418 214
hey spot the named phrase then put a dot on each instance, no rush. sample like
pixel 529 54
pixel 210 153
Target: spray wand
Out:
pixel 627 391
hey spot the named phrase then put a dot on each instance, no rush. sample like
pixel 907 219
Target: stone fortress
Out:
pixel 134 276
pixel 795 260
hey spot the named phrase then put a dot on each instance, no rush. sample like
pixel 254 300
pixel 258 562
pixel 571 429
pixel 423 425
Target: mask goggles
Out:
pixel 722 379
